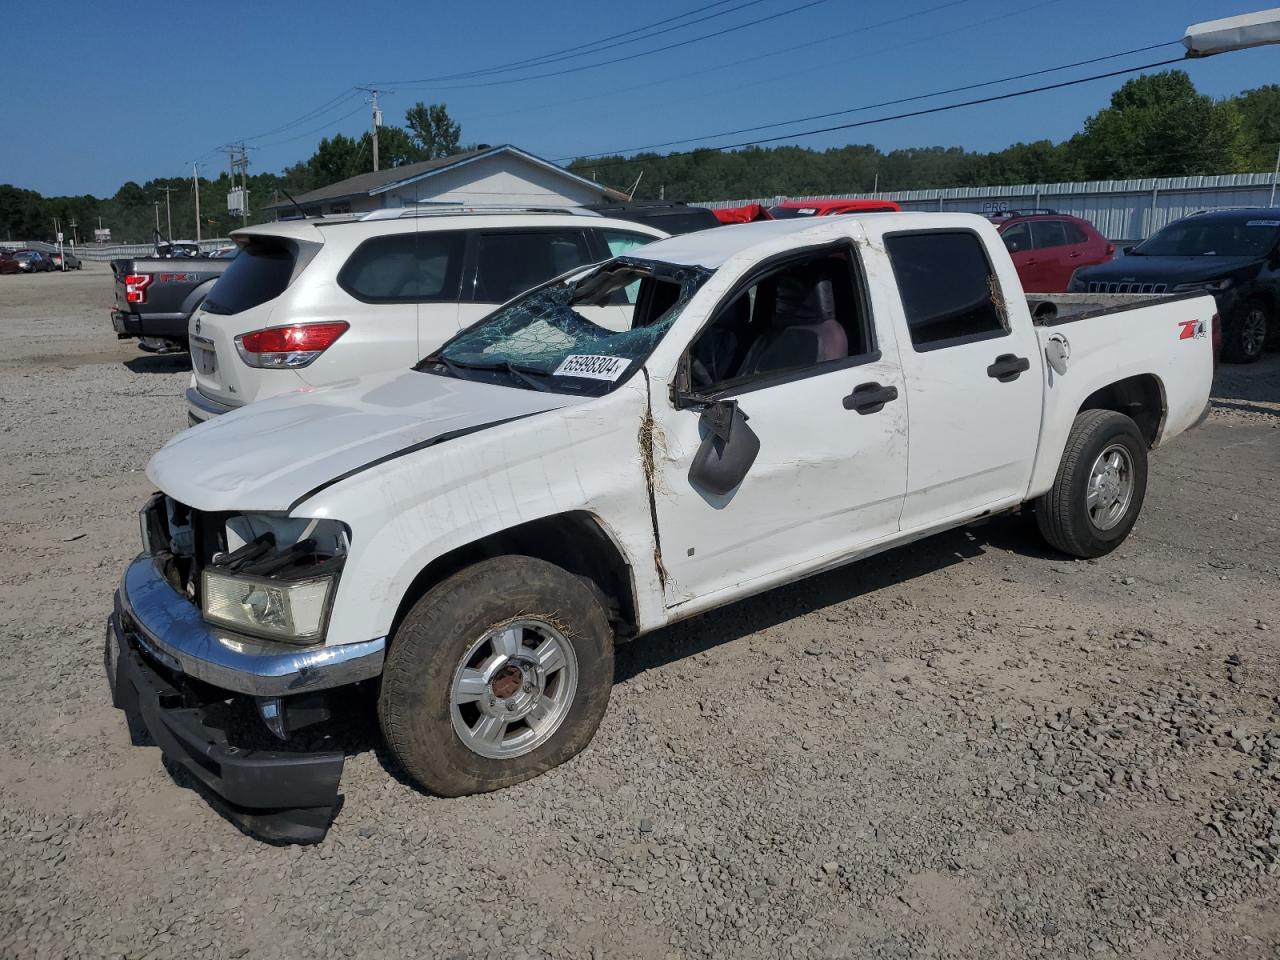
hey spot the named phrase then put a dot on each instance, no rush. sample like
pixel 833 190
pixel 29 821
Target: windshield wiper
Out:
pixel 525 375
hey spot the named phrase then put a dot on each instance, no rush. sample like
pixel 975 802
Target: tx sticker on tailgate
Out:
pixel 592 367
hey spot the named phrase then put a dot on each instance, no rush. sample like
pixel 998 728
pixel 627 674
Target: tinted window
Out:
pixel 1074 233
pixel 260 273
pixel 946 284
pixel 1049 233
pixel 1017 238
pixel 511 263
pixel 405 268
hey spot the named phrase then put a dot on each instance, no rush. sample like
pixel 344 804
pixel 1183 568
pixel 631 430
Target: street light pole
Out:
pixel 195 177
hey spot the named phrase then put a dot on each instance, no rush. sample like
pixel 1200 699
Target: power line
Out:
pixel 883 103
pixel 582 49
pixel 830 38
pixel 899 116
pixel 310 133
pixel 615 60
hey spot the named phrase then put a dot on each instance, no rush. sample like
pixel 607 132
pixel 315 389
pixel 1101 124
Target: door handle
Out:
pixel 1008 368
pixel 1075 255
pixel 869 398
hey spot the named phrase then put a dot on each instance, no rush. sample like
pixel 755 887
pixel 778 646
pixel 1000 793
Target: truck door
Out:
pixel 973 376
pixel 793 345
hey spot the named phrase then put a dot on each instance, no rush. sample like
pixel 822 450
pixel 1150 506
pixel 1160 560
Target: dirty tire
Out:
pixel 1245 335
pixel 1062 514
pixel 414 703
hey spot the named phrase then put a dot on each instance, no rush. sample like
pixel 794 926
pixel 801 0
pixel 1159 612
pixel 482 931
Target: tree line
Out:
pixel 1157 125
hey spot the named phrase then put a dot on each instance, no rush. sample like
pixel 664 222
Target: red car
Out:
pixel 8 264
pixel 1048 247
pixel 826 208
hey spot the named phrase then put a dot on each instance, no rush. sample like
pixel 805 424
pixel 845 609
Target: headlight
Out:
pixel 293 611
pixel 1208 286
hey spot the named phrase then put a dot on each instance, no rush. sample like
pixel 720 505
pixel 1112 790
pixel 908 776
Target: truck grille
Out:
pixel 1096 286
pixel 185 550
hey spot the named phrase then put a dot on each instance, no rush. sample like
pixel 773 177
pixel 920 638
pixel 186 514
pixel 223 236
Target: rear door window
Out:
pixel 948 288
pixel 1074 233
pixel 418 267
pixel 1049 233
pixel 513 262
pixel 260 272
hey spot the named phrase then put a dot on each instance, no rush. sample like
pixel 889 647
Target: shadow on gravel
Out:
pixel 160 363
pixel 894 567
pixel 1238 386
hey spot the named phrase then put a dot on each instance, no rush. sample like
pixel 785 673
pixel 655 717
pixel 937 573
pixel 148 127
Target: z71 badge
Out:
pixel 1192 329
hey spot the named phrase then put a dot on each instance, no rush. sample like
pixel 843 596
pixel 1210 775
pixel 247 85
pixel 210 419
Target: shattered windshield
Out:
pixel 583 333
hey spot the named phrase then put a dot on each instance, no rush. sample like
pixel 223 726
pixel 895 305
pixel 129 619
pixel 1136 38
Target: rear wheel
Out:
pixel 1246 335
pixel 498 674
pixel 1101 483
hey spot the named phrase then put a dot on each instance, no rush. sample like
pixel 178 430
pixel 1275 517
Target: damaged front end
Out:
pixel 217 639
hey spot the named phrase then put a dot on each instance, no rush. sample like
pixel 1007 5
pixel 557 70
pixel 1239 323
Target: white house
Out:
pixel 492 175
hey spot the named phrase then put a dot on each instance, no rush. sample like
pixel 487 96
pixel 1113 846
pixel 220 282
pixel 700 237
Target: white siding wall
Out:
pixel 500 179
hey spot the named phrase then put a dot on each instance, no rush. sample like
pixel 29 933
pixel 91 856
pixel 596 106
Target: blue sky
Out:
pixel 98 93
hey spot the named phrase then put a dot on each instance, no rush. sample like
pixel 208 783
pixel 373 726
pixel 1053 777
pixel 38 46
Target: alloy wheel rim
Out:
pixel 513 688
pixel 1253 332
pixel 1111 486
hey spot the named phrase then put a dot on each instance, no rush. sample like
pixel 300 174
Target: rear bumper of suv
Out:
pixel 200 408
pixel 180 679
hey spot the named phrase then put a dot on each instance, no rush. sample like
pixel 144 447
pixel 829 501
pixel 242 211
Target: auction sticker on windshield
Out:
pixel 592 367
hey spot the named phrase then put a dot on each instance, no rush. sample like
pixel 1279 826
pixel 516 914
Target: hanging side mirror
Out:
pixel 729 448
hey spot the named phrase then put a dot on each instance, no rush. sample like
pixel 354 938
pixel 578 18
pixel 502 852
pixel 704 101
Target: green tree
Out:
pixel 1158 126
pixel 336 158
pixel 433 129
pixel 395 148
pixel 1260 112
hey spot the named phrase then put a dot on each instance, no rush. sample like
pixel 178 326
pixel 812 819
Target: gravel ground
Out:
pixel 964 748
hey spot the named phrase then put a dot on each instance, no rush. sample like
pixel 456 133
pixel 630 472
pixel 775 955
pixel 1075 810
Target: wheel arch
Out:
pixel 1141 398
pixel 576 541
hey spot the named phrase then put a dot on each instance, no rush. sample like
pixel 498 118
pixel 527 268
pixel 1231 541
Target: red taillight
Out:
pixel 288 347
pixel 1111 249
pixel 135 287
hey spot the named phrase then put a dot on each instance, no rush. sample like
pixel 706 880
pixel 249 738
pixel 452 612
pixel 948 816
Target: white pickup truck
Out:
pixel 474 535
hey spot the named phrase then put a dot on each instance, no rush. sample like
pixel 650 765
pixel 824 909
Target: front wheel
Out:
pixel 496 675
pixel 1246 335
pixel 1101 483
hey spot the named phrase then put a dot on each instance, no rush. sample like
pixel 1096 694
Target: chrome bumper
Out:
pixel 170 628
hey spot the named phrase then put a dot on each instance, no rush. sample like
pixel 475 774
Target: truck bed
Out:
pixel 1051 309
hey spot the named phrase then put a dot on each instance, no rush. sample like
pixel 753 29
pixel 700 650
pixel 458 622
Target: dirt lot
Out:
pixel 965 748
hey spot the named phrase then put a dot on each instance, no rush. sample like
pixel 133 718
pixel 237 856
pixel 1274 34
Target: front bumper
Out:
pixel 171 629
pixel 175 676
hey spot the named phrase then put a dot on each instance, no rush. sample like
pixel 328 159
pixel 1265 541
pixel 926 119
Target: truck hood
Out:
pixel 269 455
pixel 1170 270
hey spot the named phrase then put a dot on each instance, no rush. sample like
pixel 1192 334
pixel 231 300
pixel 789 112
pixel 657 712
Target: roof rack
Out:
pixel 451 210
pixel 1030 212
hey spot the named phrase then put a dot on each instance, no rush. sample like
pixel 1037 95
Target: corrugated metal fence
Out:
pixel 108 251
pixel 1122 210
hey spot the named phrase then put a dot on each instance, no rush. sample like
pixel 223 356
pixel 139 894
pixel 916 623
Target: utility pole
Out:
pixel 238 160
pixel 1274 175
pixel 156 204
pixel 377 120
pixel 195 179
pixel 168 211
